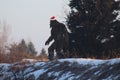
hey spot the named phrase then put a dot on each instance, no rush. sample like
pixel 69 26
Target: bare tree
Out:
pixel 4 34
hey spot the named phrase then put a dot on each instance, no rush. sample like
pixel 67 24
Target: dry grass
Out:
pixel 16 55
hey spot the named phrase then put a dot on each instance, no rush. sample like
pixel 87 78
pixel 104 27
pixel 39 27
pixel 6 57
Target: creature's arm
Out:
pixel 49 40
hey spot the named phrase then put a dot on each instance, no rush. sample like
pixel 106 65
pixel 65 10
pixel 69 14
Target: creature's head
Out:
pixel 53 21
pixel 53 18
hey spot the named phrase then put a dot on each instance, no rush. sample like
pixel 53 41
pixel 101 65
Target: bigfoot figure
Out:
pixel 59 34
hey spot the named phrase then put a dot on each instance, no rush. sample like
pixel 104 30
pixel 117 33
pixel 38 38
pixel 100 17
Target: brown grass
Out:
pixel 16 55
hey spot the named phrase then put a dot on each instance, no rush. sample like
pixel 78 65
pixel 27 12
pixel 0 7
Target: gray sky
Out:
pixel 29 19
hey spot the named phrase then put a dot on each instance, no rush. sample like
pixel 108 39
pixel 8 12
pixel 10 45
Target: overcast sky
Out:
pixel 29 19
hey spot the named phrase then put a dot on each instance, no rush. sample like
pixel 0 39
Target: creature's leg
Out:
pixel 51 52
pixel 59 53
pixel 65 52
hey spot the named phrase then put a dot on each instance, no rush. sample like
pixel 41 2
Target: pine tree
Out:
pixel 31 48
pixel 22 46
pixel 93 25
pixel 43 55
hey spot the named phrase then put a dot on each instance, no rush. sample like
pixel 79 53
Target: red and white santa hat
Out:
pixel 53 18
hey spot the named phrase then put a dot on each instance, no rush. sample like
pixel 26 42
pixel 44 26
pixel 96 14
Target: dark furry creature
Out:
pixel 59 34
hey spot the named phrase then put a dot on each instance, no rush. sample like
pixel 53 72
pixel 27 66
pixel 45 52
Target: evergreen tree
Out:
pixel 31 48
pixel 43 55
pixel 94 27
pixel 22 46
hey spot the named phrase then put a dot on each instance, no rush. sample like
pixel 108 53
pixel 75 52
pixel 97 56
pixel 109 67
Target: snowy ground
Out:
pixel 62 69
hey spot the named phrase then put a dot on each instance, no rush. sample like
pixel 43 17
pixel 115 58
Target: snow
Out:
pixel 112 36
pixel 113 61
pixel 29 60
pixel 5 66
pixel 28 70
pixel 84 61
pixel 109 78
pixel 37 64
pixel 38 68
pixel 37 73
pixel 96 62
pixel 116 77
pixel 104 40
pixel 55 73
pixel 67 75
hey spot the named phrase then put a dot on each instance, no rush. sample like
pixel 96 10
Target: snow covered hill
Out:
pixel 62 69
